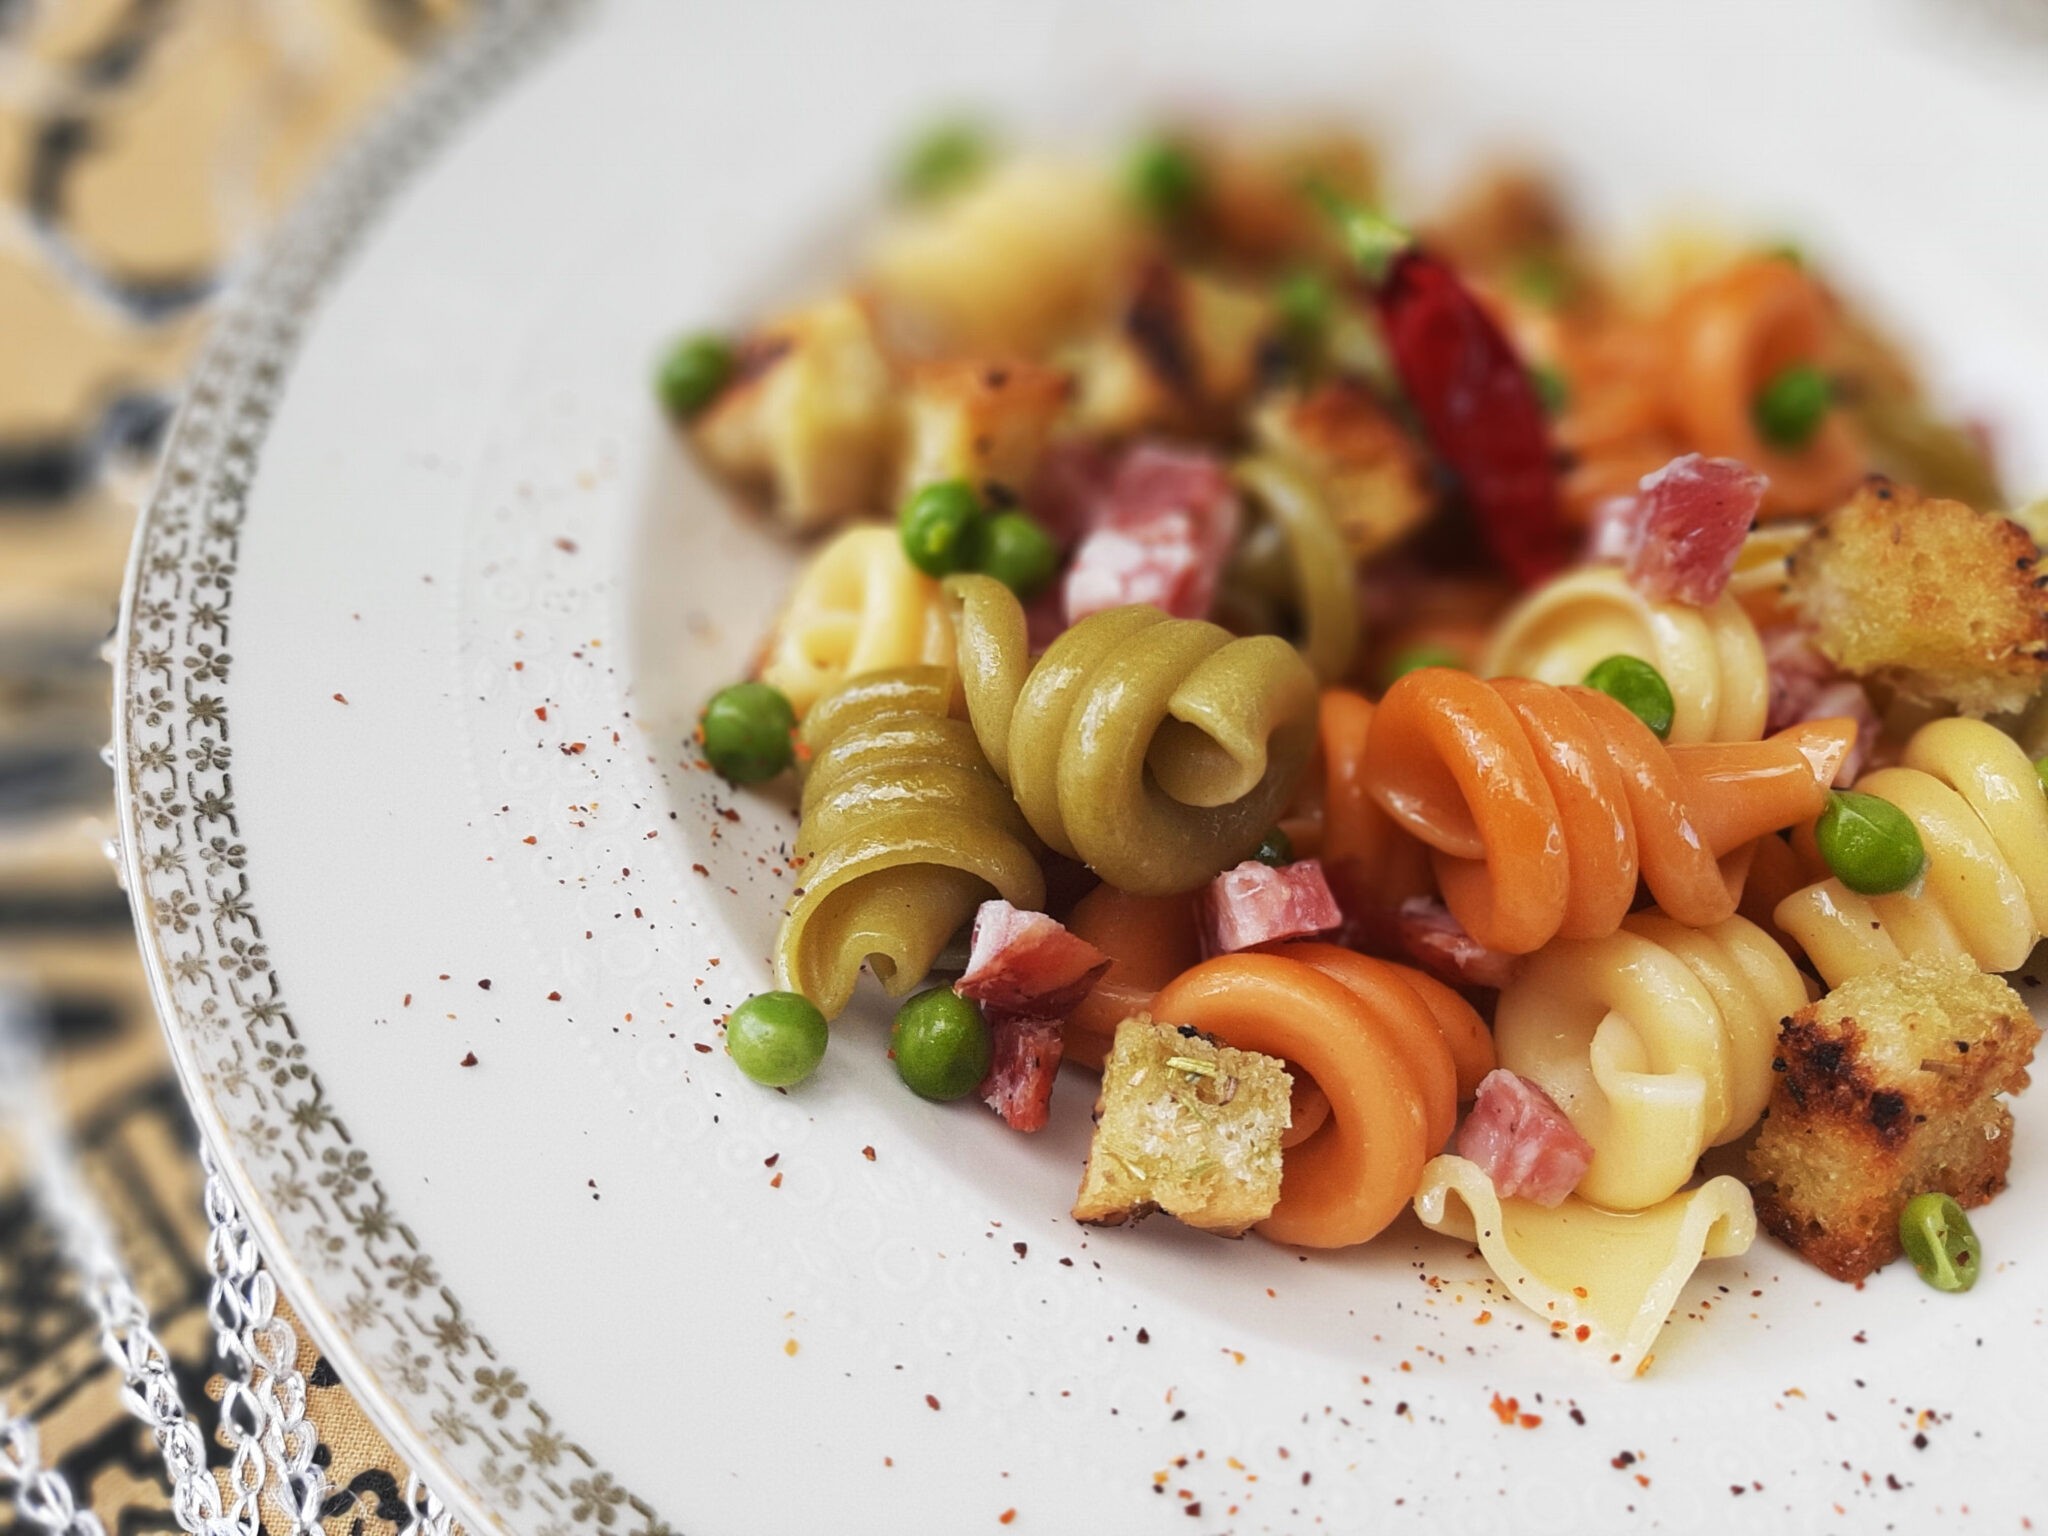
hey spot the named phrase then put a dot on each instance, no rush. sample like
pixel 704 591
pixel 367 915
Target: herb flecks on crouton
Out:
pixel 1941 603
pixel 1888 1088
pixel 1186 1126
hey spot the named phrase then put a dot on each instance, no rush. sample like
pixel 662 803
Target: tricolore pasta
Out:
pixel 1338 683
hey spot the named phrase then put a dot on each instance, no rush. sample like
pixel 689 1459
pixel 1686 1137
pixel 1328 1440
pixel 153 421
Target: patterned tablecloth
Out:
pixel 144 145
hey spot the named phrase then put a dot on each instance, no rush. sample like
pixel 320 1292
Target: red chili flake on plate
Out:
pixel 468 1060
pixel 339 699
pixel 703 1049
pixel 573 749
pixel 868 1153
pixel 540 711
pixel 771 1159
pixel 554 997
pixel 485 983
pixel 1006 1517
pixel 1144 1336
pixel 406 1002
pixel 566 546
pixel 931 1402
pixel 1023 1250
pixel 1193 1509
pixel 776 1182
pixel 529 839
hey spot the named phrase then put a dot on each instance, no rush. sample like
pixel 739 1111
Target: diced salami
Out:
pixel 1691 517
pixel 1070 492
pixel 1846 700
pixel 1024 964
pixel 1438 942
pixel 1020 1075
pixel 1258 904
pixel 1158 564
pixel 1165 528
pixel 1154 479
pixel 1613 528
pixel 1805 686
pixel 1522 1141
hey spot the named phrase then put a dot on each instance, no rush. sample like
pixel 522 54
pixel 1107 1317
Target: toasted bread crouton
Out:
pixel 983 422
pixel 1186 1126
pixel 1025 257
pixel 1888 1088
pixel 1514 223
pixel 1369 472
pixel 1251 208
pixel 809 417
pixel 1183 355
pixel 1943 604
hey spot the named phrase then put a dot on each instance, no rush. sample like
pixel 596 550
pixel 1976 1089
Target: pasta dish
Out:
pixel 1447 718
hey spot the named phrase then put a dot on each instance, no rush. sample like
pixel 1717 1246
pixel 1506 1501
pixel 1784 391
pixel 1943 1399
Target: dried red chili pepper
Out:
pixel 1476 401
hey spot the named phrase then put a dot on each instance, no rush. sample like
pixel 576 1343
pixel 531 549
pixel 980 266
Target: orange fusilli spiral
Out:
pixel 1366 858
pixel 1613 429
pixel 1149 941
pixel 1643 389
pixel 1543 805
pixel 1728 337
pixel 1391 1049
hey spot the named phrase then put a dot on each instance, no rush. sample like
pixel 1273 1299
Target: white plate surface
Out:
pixel 596 1282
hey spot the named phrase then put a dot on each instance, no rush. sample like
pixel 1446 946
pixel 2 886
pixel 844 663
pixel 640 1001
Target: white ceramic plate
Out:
pixel 417 619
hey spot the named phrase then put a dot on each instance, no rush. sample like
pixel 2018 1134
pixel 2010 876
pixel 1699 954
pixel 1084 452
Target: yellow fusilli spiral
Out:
pixel 1158 751
pixel 1656 1041
pixel 1710 656
pixel 1983 819
pixel 905 832
pixel 860 606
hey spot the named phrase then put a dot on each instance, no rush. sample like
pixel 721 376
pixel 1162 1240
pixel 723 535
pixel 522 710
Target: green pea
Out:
pixel 1019 554
pixel 1305 303
pixel 693 373
pixel 941 1044
pixel 1871 845
pixel 747 732
pixel 776 1038
pixel 1551 388
pixel 1275 848
pixel 1789 409
pixel 1939 1240
pixel 943 528
pixel 1163 178
pixel 943 159
pixel 1415 658
pixel 1640 686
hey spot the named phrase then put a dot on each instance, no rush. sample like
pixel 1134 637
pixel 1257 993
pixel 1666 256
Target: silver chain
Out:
pixel 263 1409
pixel 42 1496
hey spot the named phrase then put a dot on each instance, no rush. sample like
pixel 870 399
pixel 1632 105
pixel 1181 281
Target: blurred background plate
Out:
pixel 441 920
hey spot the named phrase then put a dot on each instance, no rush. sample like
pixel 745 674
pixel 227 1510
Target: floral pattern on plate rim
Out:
pixel 221 1000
